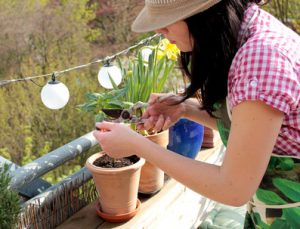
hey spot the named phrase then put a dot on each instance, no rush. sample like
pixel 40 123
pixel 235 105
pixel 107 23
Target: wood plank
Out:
pixel 86 218
pixel 152 208
pixel 174 205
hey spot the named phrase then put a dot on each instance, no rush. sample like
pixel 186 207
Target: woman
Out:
pixel 246 66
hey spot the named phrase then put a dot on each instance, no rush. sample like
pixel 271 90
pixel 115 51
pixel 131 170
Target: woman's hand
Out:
pixel 162 112
pixel 117 139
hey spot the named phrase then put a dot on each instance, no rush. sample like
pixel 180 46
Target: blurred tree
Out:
pixel 287 11
pixel 39 37
pixel 9 201
pixel 114 18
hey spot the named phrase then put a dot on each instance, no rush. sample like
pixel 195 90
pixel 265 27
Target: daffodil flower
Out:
pixel 170 50
pixel 129 73
pixel 159 54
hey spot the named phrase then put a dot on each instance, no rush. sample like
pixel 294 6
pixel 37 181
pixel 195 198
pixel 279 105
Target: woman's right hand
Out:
pixel 163 111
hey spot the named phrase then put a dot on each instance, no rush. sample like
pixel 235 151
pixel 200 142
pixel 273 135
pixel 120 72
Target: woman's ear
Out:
pixel 162 30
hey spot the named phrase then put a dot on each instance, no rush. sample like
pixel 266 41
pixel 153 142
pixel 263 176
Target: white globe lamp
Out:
pixel 107 73
pixel 146 52
pixel 54 94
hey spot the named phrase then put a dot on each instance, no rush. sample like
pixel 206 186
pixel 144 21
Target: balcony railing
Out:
pixel 54 205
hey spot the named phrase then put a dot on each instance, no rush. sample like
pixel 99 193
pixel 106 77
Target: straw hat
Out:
pixel 160 13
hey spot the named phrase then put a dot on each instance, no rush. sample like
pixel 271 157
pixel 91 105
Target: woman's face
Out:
pixel 178 33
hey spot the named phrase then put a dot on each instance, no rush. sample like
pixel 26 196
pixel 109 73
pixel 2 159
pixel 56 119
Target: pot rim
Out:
pixel 158 133
pixel 92 158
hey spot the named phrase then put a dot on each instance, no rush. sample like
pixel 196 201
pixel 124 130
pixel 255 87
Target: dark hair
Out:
pixel 215 33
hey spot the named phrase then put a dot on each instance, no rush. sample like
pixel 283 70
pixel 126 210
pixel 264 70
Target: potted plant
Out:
pixel 9 201
pixel 117 182
pixel 186 136
pixel 149 75
pixel 143 75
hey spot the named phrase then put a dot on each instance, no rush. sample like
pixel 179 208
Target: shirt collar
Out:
pixel 249 17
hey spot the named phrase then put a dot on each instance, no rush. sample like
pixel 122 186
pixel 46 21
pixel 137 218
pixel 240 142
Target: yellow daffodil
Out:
pixel 159 54
pixel 129 73
pixel 170 50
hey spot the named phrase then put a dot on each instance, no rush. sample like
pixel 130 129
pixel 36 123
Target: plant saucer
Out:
pixel 118 218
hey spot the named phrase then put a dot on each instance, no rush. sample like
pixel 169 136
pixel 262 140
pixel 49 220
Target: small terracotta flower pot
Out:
pixel 117 187
pixel 152 178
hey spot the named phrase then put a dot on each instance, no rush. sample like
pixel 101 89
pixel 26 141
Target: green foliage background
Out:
pixel 287 11
pixel 42 36
pixel 9 201
pixel 39 37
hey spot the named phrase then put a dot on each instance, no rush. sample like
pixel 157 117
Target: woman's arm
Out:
pixel 160 115
pixel 254 130
pixel 192 112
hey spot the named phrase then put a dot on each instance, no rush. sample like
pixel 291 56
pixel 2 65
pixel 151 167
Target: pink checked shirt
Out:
pixel 267 68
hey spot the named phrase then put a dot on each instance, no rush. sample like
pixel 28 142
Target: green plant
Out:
pixel 142 76
pixel 96 102
pixel 284 191
pixel 9 201
pixel 150 76
pixel 4 153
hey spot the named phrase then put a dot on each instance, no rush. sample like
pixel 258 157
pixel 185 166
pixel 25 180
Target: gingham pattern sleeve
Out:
pixel 261 71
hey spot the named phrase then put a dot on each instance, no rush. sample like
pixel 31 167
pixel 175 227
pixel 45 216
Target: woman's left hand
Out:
pixel 117 139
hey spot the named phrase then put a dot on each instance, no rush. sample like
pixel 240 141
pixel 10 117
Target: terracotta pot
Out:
pixel 152 178
pixel 210 138
pixel 117 187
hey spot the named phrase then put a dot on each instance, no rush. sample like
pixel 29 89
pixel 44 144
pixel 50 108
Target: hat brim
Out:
pixel 150 20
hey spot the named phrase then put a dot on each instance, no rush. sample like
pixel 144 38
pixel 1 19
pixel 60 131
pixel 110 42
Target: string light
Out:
pixel 109 73
pixel 146 52
pixel 55 95
pixel 103 60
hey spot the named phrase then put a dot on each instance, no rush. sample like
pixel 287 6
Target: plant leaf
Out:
pixel 99 117
pixel 273 163
pixel 115 86
pixel 116 104
pixel 280 224
pixel 92 96
pixel 88 107
pixel 292 215
pixel 291 189
pixel 269 197
pixel 286 164
pixel 259 222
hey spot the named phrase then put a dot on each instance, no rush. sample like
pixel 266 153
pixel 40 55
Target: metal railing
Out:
pixel 52 160
pixel 54 205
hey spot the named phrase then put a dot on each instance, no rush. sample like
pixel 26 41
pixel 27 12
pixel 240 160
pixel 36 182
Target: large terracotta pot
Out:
pixel 117 187
pixel 152 178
